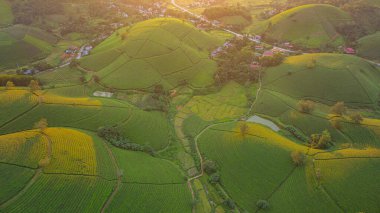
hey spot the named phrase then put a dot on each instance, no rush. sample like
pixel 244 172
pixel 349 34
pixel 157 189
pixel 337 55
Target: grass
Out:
pixel 159 51
pixel 12 180
pixel 21 44
pixel 368 46
pixel 138 167
pixel 66 193
pixel 152 198
pixel 230 102
pixel 351 182
pixel 318 27
pixel 6 15
pixel 300 193
pixel 60 77
pixel 23 148
pixel 333 78
pixel 73 152
pixel 260 174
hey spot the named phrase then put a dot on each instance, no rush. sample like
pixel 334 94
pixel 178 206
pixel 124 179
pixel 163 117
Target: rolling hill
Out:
pixel 309 26
pixel 159 51
pixel 327 78
pixel 369 46
pixel 21 44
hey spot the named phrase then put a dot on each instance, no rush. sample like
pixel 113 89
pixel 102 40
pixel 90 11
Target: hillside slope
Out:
pixel 369 46
pixel 158 51
pixel 21 44
pixel 6 16
pixel 309 26
pixel 326 77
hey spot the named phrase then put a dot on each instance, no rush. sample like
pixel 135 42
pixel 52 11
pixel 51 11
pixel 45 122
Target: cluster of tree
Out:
pixel 235 63
pixel 210 168
pixel 306 106
pixel 215 13
pixel 275 60
pixel 113 135
pixel 321 141
pixel 18 80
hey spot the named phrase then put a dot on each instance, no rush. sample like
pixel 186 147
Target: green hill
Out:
pixel 369 46
pixel 158 51
pixel 310 26
pixel 21 44
pixel 326 77
pixel 6 16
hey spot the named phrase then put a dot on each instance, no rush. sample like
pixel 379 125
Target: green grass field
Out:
pixel 158 51
pixel 325 77
pixel 368 46
pixel 310 26
pixel 6 16
pixel 21 44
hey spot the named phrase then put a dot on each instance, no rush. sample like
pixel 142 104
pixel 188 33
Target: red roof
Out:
pixel 349 50
pixel 268 54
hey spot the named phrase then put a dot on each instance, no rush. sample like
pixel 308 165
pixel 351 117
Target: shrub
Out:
pixel 298 158
pixel 229 203
pixel 262 204
pixel 214 178
pixel 209 167
pixel 338 109
pixel 356 117
pixel 306 106
pixel 320 141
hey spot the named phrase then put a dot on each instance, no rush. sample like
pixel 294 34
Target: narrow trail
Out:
pixel 119 180
pixel 33 180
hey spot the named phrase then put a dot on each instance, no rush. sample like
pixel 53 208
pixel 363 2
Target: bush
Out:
pixel 338 109
pixel 229 203
pixel 214 178
pixel 356 117
pixel 210 167
pixel 298 158
pixel 262 204
pixel 306 106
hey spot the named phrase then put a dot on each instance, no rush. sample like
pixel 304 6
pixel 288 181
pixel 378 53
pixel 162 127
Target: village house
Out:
pixel 268 53
pixel 349 50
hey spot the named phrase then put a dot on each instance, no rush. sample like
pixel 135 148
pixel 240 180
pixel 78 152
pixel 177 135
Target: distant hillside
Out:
pixel 369 46
pixel 6 16
pixel 20 44
pixel 161 51
pixel 326 77
pixel 310 26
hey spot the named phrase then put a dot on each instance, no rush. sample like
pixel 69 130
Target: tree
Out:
pixel 262 204
pixel 9 85
pixel 338 109
pixel 335 122
pixel 209 167
pixel 41 125
pixel 229 203
pixel 356 117
pixel 34 85
pixel 244 129
pixel 214 178
pixel 306 106
pixel 320 141
pixel 298 158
